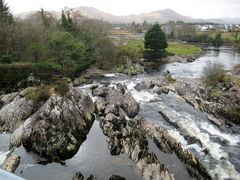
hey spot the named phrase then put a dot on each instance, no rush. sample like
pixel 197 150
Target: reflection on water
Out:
pixel 93 157
pixel 225 56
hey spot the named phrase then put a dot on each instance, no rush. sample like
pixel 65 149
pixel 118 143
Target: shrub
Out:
pixel 40 94
pixel 61 88
pixel 79 81
pixel 170 79
pixel 6 59
pixel 66 49
pixel 133 49
pixel 213 74
pixel 218 41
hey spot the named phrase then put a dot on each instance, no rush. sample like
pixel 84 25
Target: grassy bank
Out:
pixel 182 49
pixel 226 36
pixel 14 76
pixel 135 48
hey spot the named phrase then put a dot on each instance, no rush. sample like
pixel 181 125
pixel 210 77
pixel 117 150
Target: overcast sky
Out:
pixel 193 8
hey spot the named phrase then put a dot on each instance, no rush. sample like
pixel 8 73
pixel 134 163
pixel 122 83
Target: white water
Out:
pixel 3 156
pixel 189 121
pixel 217 161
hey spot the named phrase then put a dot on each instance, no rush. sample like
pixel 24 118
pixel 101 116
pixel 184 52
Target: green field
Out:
pixel 136 48
pixel 182 49
pixel 226 36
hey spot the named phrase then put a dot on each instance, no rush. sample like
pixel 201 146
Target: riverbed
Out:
pixel 93 157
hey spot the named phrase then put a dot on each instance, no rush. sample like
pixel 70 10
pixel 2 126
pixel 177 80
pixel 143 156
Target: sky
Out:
pixel 194 8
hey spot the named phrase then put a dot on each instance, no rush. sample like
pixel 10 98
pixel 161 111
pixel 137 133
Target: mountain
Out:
pixel 225 20
pixel 161 16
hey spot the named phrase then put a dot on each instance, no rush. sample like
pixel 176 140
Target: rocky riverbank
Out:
pixel 113 107
pixel 55 125
pixel 55 130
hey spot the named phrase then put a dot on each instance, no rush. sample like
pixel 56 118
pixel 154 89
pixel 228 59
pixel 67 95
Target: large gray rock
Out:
pixel 78 176
pixel 15 110
pixel 59 127
pixel 11 163
pixel 124 100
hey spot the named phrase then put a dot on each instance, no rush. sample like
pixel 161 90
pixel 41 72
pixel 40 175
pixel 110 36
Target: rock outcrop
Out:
pixel 222 101
pixel 116 177
pixel 14 111
pixel 125 139
pixel 118 98
pixel 166 143
pixel 78 176
pixel 11 163
pixel 58 128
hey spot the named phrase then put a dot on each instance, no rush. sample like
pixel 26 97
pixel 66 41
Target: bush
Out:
pixel 66 49
pixel 133 49
pixel 213 74
pixel 218 41
pixel 61 88
pixel 79 81
pixel 38 95
pixel 6 59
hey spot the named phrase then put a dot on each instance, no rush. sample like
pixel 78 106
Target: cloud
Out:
pixel 194 8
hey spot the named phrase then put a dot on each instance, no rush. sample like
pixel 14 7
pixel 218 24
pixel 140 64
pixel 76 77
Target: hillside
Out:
pixel 161 16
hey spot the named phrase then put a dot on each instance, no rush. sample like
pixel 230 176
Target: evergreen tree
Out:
pixel 5 13
pixel 155 39
pixel 218 41
pixel 67 22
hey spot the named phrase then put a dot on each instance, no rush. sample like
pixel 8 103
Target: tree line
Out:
pixel 67 41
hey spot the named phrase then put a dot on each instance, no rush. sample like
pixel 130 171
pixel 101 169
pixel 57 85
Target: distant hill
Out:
pixel 161 16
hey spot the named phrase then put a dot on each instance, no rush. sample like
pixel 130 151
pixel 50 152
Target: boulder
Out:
pixel 78 176
pixel 91 177
pixel 59 127
pixel 100 105
pixel 129 105
pixel 11 163
pixel 112 109
pixel 32 80
pixel 144 85
pixel 116 177
pixel 123 100
pixel 15 110
pixel 100 91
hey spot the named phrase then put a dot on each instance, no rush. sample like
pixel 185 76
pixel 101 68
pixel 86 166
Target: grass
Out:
pixel 213 73
pixel 61 88
pixel 40 94
pixel 182 49
pixel 226 36
pixel 43 92
pixel 234 79
pixel 170 79
pixel 136 48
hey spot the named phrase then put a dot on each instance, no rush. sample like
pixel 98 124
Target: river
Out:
pixel 222 161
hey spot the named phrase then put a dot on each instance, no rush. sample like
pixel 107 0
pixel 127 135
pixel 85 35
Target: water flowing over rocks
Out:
pixel 179 125
pixel 168 144
pixel 126 139
pixel 221 102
